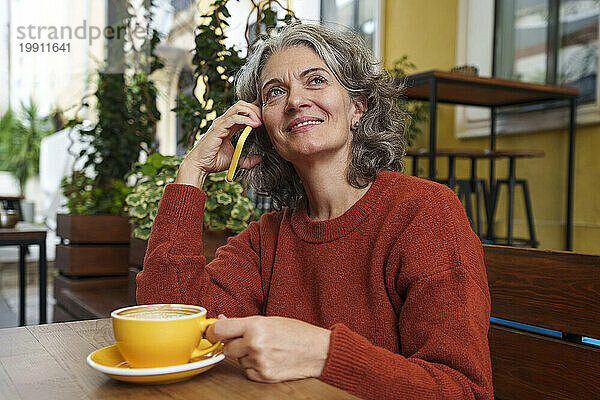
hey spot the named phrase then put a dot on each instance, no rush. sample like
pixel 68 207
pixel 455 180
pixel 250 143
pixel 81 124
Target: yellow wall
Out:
pixel 426 31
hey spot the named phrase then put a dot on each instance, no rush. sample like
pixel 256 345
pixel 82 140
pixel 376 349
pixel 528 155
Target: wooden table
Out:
pixel 48 362
pixel 493 93
pixel 24 235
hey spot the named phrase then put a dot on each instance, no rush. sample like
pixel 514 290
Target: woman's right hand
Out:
pixel 214 151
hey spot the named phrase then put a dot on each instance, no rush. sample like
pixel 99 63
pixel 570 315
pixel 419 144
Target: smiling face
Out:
pixel 305 110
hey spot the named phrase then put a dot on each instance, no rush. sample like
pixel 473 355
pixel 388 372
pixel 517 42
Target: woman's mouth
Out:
pixel 298 125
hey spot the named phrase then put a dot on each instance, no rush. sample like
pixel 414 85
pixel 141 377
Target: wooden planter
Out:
pixel 137 251
pixel 92 245
pixel 65 288
pixel 93 228
pixel 87 260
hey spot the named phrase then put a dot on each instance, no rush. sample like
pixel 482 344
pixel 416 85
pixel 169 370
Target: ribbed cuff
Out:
pixel 183 201
pixel 346 359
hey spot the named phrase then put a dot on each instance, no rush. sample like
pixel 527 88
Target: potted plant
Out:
pixel 20 138
pixel 127 116
pixel 227 210
pixel 216 64
pixel 417 111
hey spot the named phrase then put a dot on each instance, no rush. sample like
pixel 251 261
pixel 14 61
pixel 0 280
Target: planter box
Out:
pixel 93 228
pixel 59 314
pixel 67 290
pixel 137 251
pixel 92 260
pixel 87 283
pixel 132 284
pixel 90 304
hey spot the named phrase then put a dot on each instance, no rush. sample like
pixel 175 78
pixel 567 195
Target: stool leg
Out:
pixel 491 210
pixel 532 237
pixel 465 189
pixel 475 187
pixel 511 195
pixel 451 178
pixel 22 284
pixel 414 166
pixel 478 206
pixel 43 281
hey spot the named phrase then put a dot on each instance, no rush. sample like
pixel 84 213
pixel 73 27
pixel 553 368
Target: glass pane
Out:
pixel 366 22
pixel 338 12
pixel 522 32
pixel 578 52
pixel 358 15
pixel 531 25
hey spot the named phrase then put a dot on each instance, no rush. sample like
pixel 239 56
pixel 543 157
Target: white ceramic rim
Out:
pixel 201 311
pixel 154 371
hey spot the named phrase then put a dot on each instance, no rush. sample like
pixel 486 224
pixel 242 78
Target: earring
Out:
pixel 355 124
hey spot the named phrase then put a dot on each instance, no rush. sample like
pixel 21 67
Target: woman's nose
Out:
pixel 296 100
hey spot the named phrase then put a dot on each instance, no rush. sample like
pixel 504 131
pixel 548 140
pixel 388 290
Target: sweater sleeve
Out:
pixel 175 270
pixel 442 324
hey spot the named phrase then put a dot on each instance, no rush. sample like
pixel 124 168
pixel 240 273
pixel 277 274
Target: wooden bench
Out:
pixel 88 298
pixel 555 290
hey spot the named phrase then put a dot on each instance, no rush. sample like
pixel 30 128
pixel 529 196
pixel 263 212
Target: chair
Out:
pixel 557 295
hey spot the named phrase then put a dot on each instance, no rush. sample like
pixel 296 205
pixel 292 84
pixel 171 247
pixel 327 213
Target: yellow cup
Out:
pixel 160 335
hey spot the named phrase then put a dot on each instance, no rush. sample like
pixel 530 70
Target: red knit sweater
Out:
pixel 399 279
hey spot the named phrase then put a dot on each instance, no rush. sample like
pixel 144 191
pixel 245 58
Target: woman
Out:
pixel 368 279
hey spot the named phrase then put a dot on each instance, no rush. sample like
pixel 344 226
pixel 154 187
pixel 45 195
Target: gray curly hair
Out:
pixel 378 142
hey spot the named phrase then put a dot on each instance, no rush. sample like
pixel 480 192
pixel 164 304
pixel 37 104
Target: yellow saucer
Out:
pixel 109 361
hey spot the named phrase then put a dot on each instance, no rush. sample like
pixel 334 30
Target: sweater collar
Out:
pixel 332 229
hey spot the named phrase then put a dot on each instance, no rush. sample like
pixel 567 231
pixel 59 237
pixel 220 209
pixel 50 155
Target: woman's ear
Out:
pixel 360 105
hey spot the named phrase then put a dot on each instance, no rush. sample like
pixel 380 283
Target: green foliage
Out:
pixel 83 195
pixel 226 207
pixel 216 65
pixel 20 138
pixel 152 177
pixel 127 118
pixel 417 110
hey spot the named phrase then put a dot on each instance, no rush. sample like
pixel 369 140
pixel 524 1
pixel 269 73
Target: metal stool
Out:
pixel 511 181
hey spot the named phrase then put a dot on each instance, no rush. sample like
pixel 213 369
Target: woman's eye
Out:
pixel 317 80
pixel 273 92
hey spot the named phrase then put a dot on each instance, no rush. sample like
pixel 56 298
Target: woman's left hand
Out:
pixel 273 349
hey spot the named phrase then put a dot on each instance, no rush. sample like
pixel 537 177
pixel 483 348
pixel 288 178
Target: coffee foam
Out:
pixel 160 312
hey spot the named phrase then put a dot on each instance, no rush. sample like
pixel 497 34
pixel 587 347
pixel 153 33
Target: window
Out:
pixel 548 41
pixel 543 41
pixel 361 16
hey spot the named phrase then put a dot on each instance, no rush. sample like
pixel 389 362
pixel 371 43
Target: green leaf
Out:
pixel 149 170
pixel 211 203
pixel 134 199
pixel 236 225
pixel 218 177
pixel 223 198
pixel 241 212
pixel 236 189
pixel 216 225
pixel 156 160
pixel 141 233
pixel 145 223
pixel 140 211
